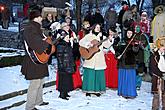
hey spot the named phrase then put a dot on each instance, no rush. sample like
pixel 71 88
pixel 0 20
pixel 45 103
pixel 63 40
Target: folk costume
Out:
pixel 126 69
pixel 157 71
pixel 111 72
pixel 93 75
pixel 141 44
pixel 157 82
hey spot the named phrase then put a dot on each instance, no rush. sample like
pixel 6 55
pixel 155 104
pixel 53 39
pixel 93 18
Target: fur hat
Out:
pixel 34 14
pixel 156 10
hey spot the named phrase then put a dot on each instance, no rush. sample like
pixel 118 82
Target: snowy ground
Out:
pixel 12 27
pixel 12 80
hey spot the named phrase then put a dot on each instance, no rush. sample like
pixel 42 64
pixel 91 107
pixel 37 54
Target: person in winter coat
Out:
pixel 130 16
pixel 157 71
pixel 98 18
pixel 84 30
pixel 158 23
pixel 35 71
pixel 46 23
pixel 121 13
pixel 68 20
pixel 77 81
pixel 110 17
pixel 126 56
pixel 145 23
pixel 89 17
pixel 66 66
pixel 93 74
pixel 141 42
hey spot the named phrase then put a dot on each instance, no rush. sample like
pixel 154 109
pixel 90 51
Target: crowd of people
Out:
pixel 109 55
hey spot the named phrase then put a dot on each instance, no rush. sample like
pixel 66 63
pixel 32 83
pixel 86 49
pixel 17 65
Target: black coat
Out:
pixel 46 24
pixel 65 58
pixel 128 60
pixel 34 38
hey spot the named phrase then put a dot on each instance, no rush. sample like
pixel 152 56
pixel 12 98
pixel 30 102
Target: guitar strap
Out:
pixel 31 54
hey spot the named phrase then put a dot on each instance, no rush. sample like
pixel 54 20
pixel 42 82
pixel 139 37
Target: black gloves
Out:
pixel 49 48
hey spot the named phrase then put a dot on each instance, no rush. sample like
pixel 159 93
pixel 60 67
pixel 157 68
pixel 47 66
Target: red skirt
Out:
pixel 111 72
pixel 77 81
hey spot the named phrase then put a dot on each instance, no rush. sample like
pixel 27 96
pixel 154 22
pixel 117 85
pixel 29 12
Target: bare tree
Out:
pixel 157 2
pixel 78 13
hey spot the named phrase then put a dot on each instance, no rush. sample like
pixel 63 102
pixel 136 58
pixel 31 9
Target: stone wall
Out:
pixel 10 39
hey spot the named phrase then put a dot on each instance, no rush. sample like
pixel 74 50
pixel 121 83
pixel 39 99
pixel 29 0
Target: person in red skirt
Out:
pixel 77 81
pixel 111 72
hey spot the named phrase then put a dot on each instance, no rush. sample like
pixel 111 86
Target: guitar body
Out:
pixel 44 57
pixel 40 58
pixel 88 53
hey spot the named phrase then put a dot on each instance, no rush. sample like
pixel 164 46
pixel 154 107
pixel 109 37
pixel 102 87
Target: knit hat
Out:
pixel 34 14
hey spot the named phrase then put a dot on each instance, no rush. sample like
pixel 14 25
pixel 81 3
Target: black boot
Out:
pixel 67 95
pixel 98 94
pixel 63 96
pixel 88 94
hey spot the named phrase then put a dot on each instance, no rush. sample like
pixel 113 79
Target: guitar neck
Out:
pixel 56 40
pixel 99 43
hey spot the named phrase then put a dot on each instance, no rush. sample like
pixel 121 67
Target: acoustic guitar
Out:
pixel 88 53
pixel 43 57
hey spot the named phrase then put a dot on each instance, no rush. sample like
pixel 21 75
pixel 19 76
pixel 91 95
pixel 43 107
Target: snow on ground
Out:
pixel 12 80
pixel 15 52
pixel 12 27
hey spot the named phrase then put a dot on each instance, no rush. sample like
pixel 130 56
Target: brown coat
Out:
pixel 34 39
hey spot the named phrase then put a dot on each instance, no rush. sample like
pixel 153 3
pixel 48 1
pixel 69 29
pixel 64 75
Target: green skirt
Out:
pixel 93 81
